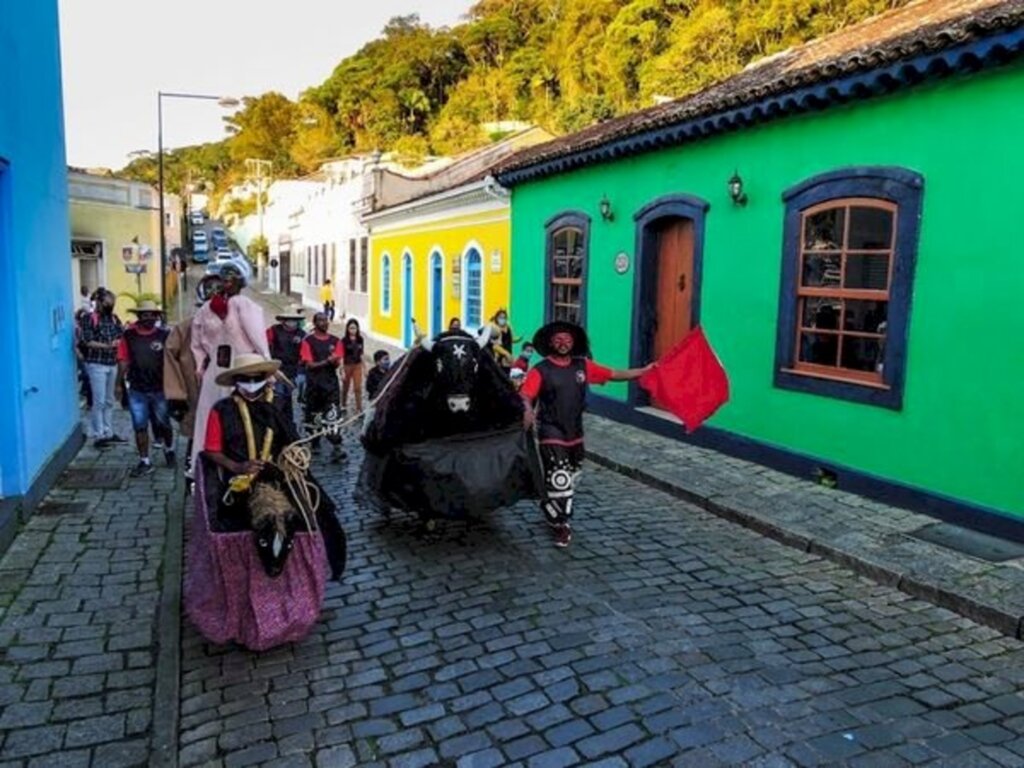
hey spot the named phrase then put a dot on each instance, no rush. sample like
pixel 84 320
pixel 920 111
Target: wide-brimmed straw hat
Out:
pixel 147 305
pixel 247 365
pixel 295 312
pixel 580 342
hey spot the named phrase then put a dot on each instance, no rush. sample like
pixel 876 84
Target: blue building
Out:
pixel 39 425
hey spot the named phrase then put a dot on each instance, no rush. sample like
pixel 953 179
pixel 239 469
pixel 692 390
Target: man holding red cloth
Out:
pixel 558 388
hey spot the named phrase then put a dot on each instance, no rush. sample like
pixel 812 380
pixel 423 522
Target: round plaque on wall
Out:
pixel 622 263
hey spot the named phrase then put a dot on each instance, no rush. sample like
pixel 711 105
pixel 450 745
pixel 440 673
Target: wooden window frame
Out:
pixel 566 220
pixel 895 189
pixel 352 265
pixel 364 265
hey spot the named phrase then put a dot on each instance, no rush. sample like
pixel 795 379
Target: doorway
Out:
pixel 284 272
pixel 670 234
pixel 407 334
pixel 436 294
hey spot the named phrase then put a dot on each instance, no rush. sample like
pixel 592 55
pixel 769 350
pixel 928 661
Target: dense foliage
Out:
pixel 562 64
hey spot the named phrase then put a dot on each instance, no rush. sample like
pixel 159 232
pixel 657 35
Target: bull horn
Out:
pixel 421 338
pixel 483 338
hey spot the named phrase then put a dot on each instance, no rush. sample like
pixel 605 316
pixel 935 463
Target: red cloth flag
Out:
pixel 689 381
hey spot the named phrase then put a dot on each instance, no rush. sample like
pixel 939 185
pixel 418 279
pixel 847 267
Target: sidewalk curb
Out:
pixel 886 574
pixel 163 751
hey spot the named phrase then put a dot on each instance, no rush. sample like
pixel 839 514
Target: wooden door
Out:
pixel 674 286
pixel 284 272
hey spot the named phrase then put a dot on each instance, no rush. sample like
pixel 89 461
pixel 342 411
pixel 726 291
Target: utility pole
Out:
pixel 260 169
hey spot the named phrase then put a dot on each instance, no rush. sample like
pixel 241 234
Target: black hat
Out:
pixel 580 342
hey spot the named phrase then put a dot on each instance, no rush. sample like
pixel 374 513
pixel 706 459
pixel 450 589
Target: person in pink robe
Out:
pixel 226 326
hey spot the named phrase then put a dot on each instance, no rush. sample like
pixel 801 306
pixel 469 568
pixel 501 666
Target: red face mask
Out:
pixel 219 305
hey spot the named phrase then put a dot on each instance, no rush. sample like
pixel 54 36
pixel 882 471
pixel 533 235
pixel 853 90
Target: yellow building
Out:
pixel 439 245
pixel 115 236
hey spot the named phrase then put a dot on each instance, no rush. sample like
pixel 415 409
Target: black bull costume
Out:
pixel 445 438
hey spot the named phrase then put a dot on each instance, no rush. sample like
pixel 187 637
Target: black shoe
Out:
pixel 563 535
pixel 116 439
pixel 102 442
pixel 170 458
pixel 142 469
pixel 338 456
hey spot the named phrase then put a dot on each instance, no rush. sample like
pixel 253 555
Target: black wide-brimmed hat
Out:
pixel 580 342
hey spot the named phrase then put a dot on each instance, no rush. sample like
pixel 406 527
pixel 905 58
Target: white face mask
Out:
pixel 251 387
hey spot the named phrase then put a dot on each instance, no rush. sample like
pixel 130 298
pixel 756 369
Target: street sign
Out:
pixel 135 269
pixel 127 252
pixel 273 263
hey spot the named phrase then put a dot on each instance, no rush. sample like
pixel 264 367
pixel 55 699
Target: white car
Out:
pixel 197 219
pixel 233 258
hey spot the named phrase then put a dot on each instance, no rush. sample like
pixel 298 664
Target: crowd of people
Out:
pixel 185 373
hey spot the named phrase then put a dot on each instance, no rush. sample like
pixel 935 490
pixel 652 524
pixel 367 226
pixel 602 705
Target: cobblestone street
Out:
pixel 663 636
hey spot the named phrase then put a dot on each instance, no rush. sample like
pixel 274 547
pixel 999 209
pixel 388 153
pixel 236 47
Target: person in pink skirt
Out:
pixel 226 326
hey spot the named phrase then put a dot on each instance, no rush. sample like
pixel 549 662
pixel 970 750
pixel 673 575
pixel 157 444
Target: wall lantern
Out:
pixel 606 209
pixel 739 197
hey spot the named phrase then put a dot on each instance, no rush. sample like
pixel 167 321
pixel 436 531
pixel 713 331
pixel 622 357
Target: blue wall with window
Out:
pixel 39 412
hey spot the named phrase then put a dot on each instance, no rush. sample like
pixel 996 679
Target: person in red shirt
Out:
pixel 554 395
pixel 321 354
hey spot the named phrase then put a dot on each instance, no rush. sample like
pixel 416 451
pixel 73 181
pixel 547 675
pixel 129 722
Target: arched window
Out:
pixel 473 301
pixel 436 289
pixel 567 242
pixel 352 264
pixel 849 253
pixel 385 284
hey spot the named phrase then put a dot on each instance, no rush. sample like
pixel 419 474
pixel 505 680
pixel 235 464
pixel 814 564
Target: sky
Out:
pixel 117 54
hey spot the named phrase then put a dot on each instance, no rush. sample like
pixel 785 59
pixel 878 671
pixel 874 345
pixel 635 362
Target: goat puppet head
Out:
pixel 274 522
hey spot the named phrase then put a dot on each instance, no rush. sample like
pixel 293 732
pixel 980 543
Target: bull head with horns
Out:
pixel 447 385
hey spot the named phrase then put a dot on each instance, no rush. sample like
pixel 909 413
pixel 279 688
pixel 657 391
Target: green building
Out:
pixel 842 219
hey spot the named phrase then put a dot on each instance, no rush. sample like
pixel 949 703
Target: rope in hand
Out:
pixel 296 458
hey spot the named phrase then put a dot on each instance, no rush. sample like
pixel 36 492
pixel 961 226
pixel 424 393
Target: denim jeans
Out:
pixel 101 380
pixel 149 408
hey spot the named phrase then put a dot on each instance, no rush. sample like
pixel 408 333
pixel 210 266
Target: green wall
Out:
pixel 961 430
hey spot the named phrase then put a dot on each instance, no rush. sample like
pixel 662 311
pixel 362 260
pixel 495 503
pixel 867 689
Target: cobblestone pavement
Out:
pixel 663 636
pixel 79 594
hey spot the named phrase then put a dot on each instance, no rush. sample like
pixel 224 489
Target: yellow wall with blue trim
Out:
pixel 452 236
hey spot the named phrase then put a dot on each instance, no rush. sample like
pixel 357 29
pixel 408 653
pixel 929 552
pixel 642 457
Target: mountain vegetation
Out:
pixel 562 64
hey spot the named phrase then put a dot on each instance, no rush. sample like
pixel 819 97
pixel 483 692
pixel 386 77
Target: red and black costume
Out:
pixel 558 386
pixel 284 345
pixel 323 392
pixel 225 433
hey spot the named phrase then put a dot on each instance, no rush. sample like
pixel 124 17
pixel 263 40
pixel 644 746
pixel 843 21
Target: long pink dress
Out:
pixel 244 331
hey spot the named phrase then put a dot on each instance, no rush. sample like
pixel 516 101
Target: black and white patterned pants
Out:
pixel 562 465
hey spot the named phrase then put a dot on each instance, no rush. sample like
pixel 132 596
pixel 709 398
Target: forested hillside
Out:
pixel 563 64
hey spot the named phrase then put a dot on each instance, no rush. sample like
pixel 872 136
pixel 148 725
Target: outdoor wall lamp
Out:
pixel 739 197
pixel 606 209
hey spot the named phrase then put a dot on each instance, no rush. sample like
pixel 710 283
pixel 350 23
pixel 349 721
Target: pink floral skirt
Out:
pixel 229 597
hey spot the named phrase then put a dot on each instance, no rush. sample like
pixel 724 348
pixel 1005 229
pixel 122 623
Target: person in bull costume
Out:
pixel 554 394
pixel 285 340
pixel 245 437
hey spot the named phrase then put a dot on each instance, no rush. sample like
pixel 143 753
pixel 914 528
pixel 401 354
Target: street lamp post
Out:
pixel 224 101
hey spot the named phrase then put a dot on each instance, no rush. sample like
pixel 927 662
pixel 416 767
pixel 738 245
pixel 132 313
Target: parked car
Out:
pixel 197 219
pixel 233 258
pixel 219 238
pixel 200 247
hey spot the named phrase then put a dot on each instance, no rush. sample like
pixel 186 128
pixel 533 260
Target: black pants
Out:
pixel 562 465
pixel 320 401
pixel 329 310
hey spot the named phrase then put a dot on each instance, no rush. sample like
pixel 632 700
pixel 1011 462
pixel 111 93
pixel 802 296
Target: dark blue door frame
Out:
pixel 648 221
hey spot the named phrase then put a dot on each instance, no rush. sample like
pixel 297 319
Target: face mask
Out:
pixel 502 321
pixel 147 323
pixel 251 387
pixel 107 309
pixel 291 325
pixel 384 364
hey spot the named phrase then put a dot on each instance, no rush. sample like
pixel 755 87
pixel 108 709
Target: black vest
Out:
pixel 327 376
pixel 264 416
pixel 562 400
pixel 284 346
pixel 146 359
